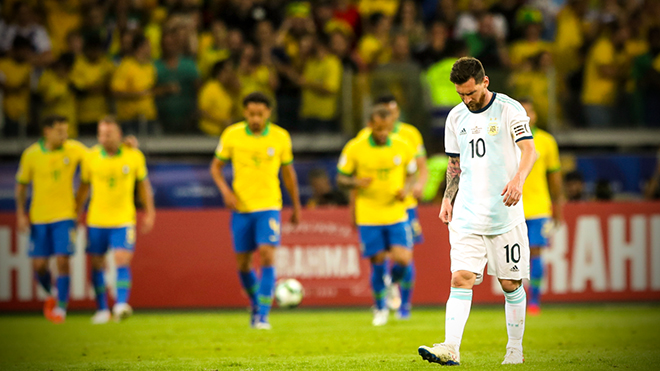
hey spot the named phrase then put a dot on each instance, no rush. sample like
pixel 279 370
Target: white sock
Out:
pixel 515 307
pixel 458 311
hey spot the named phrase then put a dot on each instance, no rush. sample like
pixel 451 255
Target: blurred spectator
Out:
pixel 323 194
pixel 347 12
pixel 374 47
pixel 323 13
pixel 133 88
pixel 487 44
pixel 509 10
pixel 574 186
pixel 153 31
pixel 215 51
pixel 646 76
pixel 245 14
pixel 257 73
pixel 94 25
pixel 572 28
pixel 368 8
pixel 74 43
pixel 447 13
pixel 603 190
pixel 340 45
pixel 235 44
pixel 320 83
pixel 57 96
pixel 468 22
pixel 25 26
pixel 603 75
pixel 125 46
pixel 408 23
pixel 90 78
pixel 15 81
pixel 298 23
pixel 530 45
pixel 435 48
pixel 62 17
pixel 216 102
pixel 531 80
pixel 176 84
pixel 441 89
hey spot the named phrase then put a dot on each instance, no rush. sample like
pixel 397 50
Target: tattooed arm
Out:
pixel 452 179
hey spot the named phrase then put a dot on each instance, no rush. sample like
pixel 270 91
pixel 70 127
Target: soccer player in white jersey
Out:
pixel 484 139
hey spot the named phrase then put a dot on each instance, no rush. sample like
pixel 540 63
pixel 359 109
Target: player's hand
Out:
pixel 400 195
pixel 362 182
pixel 418 190
pixel 296 216
pixel 512 192
pixel 22 222
pixel 131 141
pixel 231 202
pixel 148 222
pixel 558 214
pixel 446 211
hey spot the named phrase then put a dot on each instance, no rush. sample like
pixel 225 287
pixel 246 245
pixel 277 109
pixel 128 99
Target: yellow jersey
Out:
pixel 388 167
pixel 112 179
pixel 51 174
pixel 328 73
pixel 134 77
pixel 215 101
pixel 599 90
pixel 256 160
pixel 522 50
pixel 86 75
pixel 58 99
pixel 411 135
pixel 536 194
pixel 16 76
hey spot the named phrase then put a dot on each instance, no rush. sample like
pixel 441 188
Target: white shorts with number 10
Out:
pixel 507 254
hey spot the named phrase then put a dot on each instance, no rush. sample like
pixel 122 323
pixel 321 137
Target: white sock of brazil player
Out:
pixel 458 311
pixel 515 307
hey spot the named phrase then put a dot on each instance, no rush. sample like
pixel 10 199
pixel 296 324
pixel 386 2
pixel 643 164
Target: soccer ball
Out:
pixel 288 293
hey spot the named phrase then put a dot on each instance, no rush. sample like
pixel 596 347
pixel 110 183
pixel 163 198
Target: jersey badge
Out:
pixel 476 130
pixel 493 128
pixel 66 160
pixel 125 169
pixel 397 160
pixel 271 151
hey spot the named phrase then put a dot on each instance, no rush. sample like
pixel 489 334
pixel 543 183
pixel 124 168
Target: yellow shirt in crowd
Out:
pixel 134 77
pixel 256 161
pixel 328 72
pixel 522 50
pixel 58 99
pixel 387 166
pixel 387 7
pixel 536 194
pixel 16 75
pixel 87 75
pixel 599 90
pixel 51 174
pixel 371 50
pixel 208 57
pixel 63 17
pixel 112 180
pixel 216 102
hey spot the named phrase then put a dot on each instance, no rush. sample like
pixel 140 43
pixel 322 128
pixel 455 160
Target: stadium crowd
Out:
pixel 183 66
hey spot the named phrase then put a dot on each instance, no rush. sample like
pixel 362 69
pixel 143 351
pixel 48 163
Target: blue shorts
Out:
pixel 250 230
pixel 538 231
pixel 52 239
pixel 377 238
pixel 99 240
pixel 415 226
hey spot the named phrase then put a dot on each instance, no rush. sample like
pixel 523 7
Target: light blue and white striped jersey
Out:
pixel 485 140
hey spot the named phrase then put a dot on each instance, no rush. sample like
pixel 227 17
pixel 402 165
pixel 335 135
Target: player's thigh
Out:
pixel 122 241
pixel 63 237
pixel 415 225
pixel 467 253
pixel 538 231
pixel 98 240
pixel 372 239
pixel 40 241
pixel 508 254
pixel 400 241
pixel 243 227
pixel 268 228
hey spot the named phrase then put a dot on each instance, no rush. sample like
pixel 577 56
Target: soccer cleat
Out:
pixel 514 356
pixel 121 311
pixel 403 314
pixel 443 354
pixel 49 305
pixel 393 300
pixel 57 315
pixel 262 324
pixel 380 317
pixel 534 310
pixel 101 317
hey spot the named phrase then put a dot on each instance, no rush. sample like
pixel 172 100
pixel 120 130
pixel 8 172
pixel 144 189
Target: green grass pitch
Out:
pixel 564 337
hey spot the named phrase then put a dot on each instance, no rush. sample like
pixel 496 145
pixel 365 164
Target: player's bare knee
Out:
pixel 378 258
pixel 463 279
pixel 123 257
pixel 510 285
pixel 63 266
pixel 40 265
pixel 401 255
pixel 98 262
pixel 267 255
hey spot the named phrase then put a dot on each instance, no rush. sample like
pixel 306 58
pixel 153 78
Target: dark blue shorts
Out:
pixel 99 240
pixel 250 230
pixel 377 238
pixel 538 231
pixel 52 239
pixel 415 226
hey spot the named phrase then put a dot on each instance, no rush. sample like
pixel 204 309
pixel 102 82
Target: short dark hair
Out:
pixel 256 97
pixel 51 120
pixel 21 42
pixel 466 68
pixel 217 67
pixel 138 41
pixel 109 119
pixel 380 112
pixel 93 42
pixel 385 99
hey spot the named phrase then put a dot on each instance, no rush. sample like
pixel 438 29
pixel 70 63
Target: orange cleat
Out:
pixel 49 305
pixel 534 310
pixel 57 315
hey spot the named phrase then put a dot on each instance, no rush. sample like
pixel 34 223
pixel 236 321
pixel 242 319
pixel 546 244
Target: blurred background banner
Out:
pixel 604 252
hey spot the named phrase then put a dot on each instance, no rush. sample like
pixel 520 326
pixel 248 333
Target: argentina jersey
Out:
pixel 485 140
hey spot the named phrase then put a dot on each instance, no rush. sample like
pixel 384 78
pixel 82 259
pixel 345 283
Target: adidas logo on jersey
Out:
pixel 514 269
pixel 463 132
